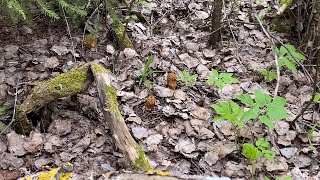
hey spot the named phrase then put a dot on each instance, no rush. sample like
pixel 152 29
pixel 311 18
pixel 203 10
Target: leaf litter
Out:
pixel 178 134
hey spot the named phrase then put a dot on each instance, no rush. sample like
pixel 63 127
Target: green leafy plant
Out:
pixel 288 56
pixel 2 111
pixel 264 108
pixel 229 110
pixel 253 152
pixel 143 2
pixel 20 9
pixel 146 70
pixel 221 79
pixel 187 79
pixel 268 75
pixel 134 17
pixel 316 98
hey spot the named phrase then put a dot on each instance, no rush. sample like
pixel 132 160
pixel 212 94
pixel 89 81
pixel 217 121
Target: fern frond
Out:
pixel 15 6
pixel 72 8
pixel 45 8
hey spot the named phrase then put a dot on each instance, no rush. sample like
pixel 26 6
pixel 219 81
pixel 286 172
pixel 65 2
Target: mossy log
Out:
pixel 73 82
pixel 76 81
pixel 123 39
pixel 110 108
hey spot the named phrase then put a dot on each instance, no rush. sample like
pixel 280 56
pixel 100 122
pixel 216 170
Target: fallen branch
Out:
pixel 76 81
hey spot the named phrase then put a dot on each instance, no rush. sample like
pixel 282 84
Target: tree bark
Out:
pixel 215 23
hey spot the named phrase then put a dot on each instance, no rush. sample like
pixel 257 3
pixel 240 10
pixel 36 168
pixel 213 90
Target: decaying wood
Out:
pixel 77 81
pixel 70 83
pixel 112 115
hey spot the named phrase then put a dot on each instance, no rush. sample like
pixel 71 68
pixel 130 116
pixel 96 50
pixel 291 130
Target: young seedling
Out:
pixel 146 70
pixel 231 111
pixel 288 56
pixel 253 152
pixel 2 111
pixel 310 134
pixel 221 79
pixel 268 75
pixel 264 108
pixel 316 98
pixel 187 79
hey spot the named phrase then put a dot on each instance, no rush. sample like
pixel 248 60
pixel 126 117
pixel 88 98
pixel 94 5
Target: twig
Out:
pixel 235 41
pixel 69 32
pixel 14 109
pixel 313 93
pixel 275 55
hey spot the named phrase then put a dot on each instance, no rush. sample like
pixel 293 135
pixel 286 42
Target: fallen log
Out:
pixel 76 81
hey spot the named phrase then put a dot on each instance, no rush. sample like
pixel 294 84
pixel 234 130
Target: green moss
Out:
pixel 111 94
pixel 68 83
pixel 118 26
pixel 142 162
pixel 97 68
pixel 282 25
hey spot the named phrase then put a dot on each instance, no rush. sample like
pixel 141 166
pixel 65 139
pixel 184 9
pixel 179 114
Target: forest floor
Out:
pixel 179 135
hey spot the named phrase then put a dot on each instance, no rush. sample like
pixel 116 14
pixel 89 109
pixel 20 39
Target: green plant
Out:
pixel 264 108
pixel 268 75
pixel 278 178
pixel 20 9
pixel 310 133
pixel 2 111
pixel 146 70
pixel 134 17
pixel 221 79
pixel 229 110
pixel 288 56
pixel 187 79
pixel 253 152
pixel 316 98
